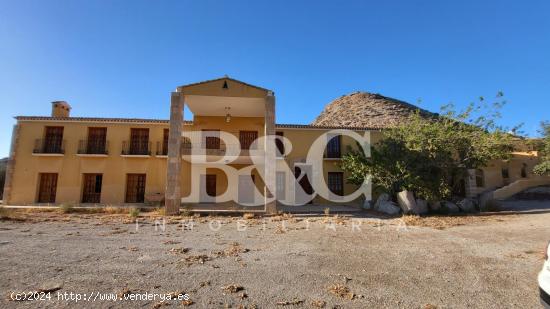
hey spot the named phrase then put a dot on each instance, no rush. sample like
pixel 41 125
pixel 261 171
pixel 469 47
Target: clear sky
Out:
pixel 123 58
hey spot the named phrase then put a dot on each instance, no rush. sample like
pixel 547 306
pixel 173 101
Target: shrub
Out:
pixel 134 212
pixel 66 208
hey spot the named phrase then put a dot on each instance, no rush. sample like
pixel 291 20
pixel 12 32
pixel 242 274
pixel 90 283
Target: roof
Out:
pixel 224 78
pixel 320 127
pixel 90 119
pixel 166 121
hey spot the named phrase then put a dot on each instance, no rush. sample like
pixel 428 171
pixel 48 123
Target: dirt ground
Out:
pixel 280 262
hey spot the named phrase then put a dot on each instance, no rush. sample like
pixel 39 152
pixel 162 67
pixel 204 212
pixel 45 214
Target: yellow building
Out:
pixel 62 159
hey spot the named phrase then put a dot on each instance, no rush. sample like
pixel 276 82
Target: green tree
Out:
pixel 543 168
pixel 431 155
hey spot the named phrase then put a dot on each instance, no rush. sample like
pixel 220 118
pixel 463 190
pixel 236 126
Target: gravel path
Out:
pixel 482 262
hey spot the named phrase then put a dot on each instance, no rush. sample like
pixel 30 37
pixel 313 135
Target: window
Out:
pixel 280 144
pixel 135 188
pixel 97 139
pixel 336 182
pixel 47 188
pixel 523 170
pixel 480 178
pixel 165 142
pixel 211 139
pixel 333 147
pixel 92 188
pixel 53 140
pixel 247 138
pixel 139 142
pixel 505 173
pixel 281 184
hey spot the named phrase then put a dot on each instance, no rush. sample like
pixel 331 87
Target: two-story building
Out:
pixel 232 155
pixel 85 160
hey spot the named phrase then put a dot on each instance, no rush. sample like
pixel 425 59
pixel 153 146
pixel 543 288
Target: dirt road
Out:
pixel 286 262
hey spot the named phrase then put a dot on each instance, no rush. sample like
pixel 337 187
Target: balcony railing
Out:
pixel 332 154
pixel 98 147
pixel 136 148
pixel 46 146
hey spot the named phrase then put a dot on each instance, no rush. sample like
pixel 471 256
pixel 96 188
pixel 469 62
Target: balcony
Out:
pixel 93 147
pixel 136 148
pixel 332 154
pixel 49 147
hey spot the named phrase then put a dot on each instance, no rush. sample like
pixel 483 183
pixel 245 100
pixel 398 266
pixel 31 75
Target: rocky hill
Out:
pixel 366 110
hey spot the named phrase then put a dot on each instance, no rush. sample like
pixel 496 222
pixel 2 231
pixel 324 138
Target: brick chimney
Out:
pixel 61 109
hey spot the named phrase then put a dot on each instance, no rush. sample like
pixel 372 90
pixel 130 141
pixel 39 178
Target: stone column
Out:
pixel 10 168
pixel 173 167
pixel 270 158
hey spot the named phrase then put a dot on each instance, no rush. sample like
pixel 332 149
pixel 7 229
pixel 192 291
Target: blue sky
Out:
pixel 122 58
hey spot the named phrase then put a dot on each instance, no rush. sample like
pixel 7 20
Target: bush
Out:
pixel 66 208
pixel 134 212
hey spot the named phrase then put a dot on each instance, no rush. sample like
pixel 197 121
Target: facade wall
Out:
pixel 493 173
pixel 71 167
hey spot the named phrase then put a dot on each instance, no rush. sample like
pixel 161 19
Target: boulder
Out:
pixel 451 207
pixel 421 206
pixel 388 207
pixel 367 204
pixel 466 205
pixel 435 205
pixel 406 201
pixel 384 197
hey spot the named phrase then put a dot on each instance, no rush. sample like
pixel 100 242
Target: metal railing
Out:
pixel 48 146
pixel 136 148
pixel 332 154
pixel 93 147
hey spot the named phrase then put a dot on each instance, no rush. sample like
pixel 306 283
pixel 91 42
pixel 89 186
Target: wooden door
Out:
pixel 97 138
pixel 53 140
pixel 135 188
pixel 336 183
pixel 139 141
pixel 211 185
pixel 247 138
pixel 92 188
pixel 47 188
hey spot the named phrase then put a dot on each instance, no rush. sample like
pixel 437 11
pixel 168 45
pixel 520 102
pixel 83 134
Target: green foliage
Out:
pixel 543 168
pixel 431 156
pixel 134 212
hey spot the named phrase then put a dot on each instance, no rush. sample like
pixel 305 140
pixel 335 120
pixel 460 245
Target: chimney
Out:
pixel 61 109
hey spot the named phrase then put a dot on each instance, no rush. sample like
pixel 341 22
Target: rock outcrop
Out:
pixel 366 110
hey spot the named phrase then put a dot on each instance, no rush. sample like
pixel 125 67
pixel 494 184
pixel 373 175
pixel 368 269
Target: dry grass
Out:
pixel 194 259
pixel 318 303
pixel 113 210
pixel 341 291
pixel 248 216
pixel 232 288
pixel 443 222
pixel 234 250
pixel 294 302
pixel 179 250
